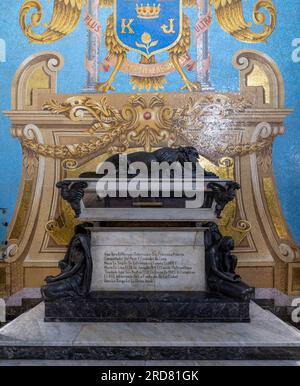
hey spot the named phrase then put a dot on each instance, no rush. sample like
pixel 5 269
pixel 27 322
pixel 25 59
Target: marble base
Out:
pixel 171 306
pixel 265 338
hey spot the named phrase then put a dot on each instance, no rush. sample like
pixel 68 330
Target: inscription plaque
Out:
pixel 145 261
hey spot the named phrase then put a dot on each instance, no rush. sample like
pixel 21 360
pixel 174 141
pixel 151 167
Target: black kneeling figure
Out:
pixel 76 270
pixel 221 266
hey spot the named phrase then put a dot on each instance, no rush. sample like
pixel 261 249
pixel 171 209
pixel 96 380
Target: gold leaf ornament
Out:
pixel 193 123
pixel 65 17
pixel 230 16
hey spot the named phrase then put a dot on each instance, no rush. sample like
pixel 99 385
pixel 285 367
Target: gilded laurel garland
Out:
pixel 148 123
pixel 106 116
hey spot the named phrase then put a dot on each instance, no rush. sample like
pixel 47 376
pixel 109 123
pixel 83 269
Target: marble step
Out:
pixel 12 312
pixel 137 306
pixel 108 363
pixel 21 302
pixel 266 304
pixel 265 338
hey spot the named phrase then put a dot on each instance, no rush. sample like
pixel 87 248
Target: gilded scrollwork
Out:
pixel 203 121
pixel 111 124
pixel 106 116
pixel 238 230
pixel 65 17
pixel 61 230
pixel 230 16
pixel 69 164
pixel 149 122
pixel 30 163
pixel 264 159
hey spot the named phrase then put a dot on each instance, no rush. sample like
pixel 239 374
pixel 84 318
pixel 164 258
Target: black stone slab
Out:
pixel 185 307
pixel 149 353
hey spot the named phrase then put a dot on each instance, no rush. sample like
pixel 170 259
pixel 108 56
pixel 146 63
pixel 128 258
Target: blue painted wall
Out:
pixel 224 78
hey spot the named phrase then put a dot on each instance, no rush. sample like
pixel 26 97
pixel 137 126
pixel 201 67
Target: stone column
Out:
pixel 203 50
pixel 93 46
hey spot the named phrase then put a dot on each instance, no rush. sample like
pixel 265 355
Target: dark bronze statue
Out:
pixel 76 270
pixel 165 154
pixel 73 193
pixel 221 266
pixel 223 194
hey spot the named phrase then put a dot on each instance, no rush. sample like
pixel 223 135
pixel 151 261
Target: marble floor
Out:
pixel 265 330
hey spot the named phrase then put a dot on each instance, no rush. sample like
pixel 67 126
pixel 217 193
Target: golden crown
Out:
pixel 148 11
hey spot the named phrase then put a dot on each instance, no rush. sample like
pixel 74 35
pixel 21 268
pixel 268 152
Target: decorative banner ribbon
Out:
pixel 106 64
pixel 203 23
pixel 94 26
pixel 148 70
